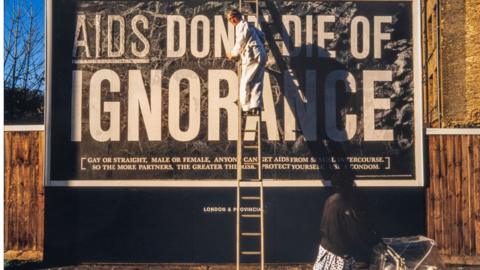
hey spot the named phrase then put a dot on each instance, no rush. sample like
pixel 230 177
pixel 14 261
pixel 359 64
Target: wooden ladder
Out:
pixel 250 211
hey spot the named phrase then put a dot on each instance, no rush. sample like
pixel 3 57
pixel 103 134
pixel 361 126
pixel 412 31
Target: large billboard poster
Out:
pixel 140 93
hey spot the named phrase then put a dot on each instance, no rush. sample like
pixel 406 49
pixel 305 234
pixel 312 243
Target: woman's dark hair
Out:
pixel 342 181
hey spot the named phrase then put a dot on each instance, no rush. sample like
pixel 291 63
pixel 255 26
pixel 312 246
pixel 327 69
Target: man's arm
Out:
pixel 241 33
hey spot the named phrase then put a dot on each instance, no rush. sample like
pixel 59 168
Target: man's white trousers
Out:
pixel 251 85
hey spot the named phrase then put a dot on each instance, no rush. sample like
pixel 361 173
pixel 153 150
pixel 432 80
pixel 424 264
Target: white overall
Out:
pixel 249 46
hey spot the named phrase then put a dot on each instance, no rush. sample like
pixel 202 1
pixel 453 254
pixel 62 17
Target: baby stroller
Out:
pixel 407 253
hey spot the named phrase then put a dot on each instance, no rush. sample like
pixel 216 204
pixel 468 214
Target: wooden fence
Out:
pixel 24 196
pixel 453 197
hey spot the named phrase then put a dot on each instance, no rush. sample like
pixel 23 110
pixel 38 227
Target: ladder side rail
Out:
pixel 257 14
pixel 239 172
pixel 260 177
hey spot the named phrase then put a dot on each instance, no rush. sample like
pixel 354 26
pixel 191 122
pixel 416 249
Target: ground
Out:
pixel 20 265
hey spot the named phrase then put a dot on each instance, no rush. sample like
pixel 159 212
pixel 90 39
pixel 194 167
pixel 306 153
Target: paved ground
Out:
pixel 156 267
pixel 225 267
pixel 34 265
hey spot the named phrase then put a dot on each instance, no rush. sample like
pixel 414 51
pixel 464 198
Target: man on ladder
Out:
pixel 249 45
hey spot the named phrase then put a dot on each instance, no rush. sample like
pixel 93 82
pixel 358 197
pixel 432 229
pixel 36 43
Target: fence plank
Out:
pixel 443 194
pixel 450 198
pixel 476 199
pixel 471 182
pixel 432 188
pixel 446 208
pixel 7 190
pixel 437 191
pixel 24 202
pixel 40 195
pixel 458 195
pixel 466 195
pixel 473 195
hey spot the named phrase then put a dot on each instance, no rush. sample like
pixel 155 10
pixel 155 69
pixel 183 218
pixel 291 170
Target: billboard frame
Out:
pixel 419 132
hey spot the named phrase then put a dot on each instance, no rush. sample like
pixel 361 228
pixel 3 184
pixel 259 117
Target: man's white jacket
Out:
pixel 248 43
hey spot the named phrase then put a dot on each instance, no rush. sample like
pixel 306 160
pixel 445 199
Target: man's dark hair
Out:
pixel 234 13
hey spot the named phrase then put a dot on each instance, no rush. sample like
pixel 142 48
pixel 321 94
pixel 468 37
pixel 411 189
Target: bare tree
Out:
pixel 24 60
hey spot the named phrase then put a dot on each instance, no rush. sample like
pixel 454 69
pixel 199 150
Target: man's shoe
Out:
pixel 254 111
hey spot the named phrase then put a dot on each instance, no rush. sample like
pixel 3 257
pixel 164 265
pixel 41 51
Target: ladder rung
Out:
pixel 247 114
pixel 250 184
pixel 250 180
pixel 251 215
pixel 251 253
pixel 251 234
pixel 250 198
pixel 250 146
pixel 250 130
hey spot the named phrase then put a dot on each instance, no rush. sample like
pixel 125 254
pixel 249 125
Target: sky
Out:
pixel 38 8
pixel 38 5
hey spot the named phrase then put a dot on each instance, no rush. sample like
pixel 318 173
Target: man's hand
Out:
pixel 229 55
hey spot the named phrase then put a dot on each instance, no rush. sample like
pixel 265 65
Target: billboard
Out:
pixel 140 93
